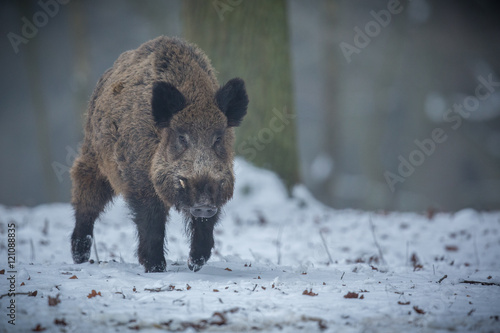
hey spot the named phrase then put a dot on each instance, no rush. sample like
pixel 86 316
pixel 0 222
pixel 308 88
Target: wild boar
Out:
pixel 160 132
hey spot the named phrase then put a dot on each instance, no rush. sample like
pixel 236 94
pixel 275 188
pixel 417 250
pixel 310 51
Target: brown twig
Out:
pixel 481 283
pixel 381 255
pixel 441 279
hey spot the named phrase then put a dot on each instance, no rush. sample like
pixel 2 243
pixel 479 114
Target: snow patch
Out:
pixel 270 270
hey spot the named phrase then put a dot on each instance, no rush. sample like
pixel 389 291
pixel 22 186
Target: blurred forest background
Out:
pixel 379 105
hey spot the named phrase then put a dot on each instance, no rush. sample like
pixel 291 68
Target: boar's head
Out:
pixel 192 168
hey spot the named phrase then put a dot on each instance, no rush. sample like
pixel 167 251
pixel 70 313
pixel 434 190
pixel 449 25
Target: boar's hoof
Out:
pixel 80 249
pixel 203 211
pixel 156 268
pixel 196 264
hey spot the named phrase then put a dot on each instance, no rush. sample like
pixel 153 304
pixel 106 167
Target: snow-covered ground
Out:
pixel 270 270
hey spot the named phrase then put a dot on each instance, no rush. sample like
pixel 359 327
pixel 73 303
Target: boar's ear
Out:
pixel 232 100
pixel 166 102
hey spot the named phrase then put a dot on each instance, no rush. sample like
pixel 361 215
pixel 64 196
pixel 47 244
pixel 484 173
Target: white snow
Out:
pixel 268 251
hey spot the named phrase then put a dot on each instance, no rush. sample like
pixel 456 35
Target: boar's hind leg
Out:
pixel 202 241
pixel 150 217
pixel 91 193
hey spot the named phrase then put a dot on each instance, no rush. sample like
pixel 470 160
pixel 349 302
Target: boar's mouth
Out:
pixel 203 211
pixel 201 197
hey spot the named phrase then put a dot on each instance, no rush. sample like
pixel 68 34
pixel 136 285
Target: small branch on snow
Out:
pixel 407 252
pixel 32 247
pixel 481 283
pixel 29 293
pixel 95 250
pixel 475 251
pixel 381 255
pixel 253 255
pixel 441 279
pixel 278 244
pixel 326 247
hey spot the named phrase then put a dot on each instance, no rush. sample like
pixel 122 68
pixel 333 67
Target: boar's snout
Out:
pixel 203 211
pixel 202 196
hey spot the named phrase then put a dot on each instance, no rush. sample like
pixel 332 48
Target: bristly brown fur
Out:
pixel 160 132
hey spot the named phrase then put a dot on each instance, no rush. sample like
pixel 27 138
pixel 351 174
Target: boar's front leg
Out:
pixel 149 214
pixel 91 193
pixel 202 241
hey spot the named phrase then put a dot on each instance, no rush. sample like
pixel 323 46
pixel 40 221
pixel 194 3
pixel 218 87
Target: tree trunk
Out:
pixel 249 39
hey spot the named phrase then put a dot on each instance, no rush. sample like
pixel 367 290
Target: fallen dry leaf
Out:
pixel 351 295
pixel 39 328
pixel 93 294
pixel 53 301
pixel 309 293
pixel 416 262
pixel 418 310
pixel 61 322
pixel 218 319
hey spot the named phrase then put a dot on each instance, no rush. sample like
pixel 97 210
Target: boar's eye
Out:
pixel 218 147
pixel 179 144
pixel 182 139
